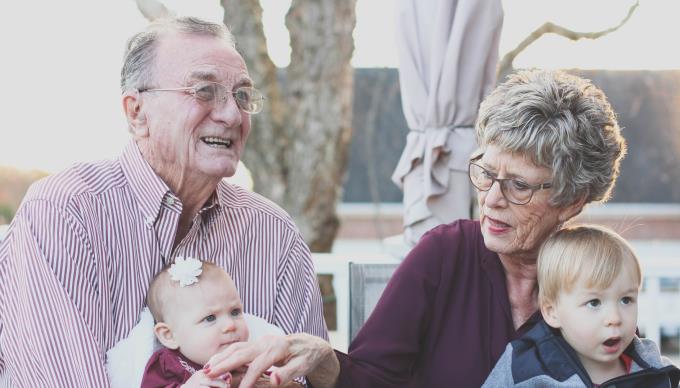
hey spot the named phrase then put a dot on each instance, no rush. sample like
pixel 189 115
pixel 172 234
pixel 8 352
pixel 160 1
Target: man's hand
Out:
pixel 200 379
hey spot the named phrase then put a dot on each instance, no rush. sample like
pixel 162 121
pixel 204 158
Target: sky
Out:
pixel 61 60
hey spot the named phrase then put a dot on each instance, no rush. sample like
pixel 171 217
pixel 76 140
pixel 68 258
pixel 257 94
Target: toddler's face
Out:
pixel 207 317
pixel 598 324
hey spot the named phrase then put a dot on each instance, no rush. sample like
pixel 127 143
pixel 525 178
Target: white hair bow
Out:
pixel 185 270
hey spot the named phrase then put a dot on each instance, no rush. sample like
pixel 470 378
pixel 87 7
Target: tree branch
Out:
pixel 506 63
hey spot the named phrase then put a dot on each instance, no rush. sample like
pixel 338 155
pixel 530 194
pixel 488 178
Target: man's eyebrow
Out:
pixel 206 75
pixel 244 81
pixel 203 75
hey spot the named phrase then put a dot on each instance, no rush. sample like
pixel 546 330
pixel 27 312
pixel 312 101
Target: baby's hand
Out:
pixel 199 379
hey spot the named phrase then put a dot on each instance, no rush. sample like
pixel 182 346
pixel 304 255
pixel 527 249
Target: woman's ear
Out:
pixel 135 114
pixel 570 211
pixel 165 335
pixel 550 315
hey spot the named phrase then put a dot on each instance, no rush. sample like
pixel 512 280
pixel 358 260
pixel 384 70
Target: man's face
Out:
pixel 186 136
pixel 206 317
pixel 598 324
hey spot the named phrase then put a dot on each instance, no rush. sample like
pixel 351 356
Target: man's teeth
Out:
pixel 217 141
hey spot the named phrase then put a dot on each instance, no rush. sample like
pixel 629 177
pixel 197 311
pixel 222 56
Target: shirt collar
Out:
pixel 147 187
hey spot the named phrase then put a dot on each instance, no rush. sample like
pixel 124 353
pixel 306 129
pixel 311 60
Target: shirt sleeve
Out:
pixel 161 372
pixel 298 298
pixel 385 350
pixel 48 302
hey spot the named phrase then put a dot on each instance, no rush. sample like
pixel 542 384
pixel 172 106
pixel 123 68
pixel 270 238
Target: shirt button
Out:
pixel 149 221
pixel 170 201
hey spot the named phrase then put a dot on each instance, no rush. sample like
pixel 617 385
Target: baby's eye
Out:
pixel 236 312
pixel 594 303
pixel 627 300
pixel 209 318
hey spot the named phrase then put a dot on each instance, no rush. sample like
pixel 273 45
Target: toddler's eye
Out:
pixel 236 312
pixel 209 318
pixel 627 300
pixel 594 303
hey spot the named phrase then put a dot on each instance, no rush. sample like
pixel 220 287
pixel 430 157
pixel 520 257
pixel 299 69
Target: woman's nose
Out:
pixel 494 196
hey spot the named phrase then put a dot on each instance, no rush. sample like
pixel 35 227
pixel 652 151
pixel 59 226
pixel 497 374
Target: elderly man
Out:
pixel 78 257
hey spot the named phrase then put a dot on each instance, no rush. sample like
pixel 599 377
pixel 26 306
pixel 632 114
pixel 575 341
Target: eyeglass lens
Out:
pixel 513 190
pixel 248 99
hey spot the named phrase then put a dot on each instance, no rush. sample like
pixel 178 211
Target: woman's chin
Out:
pixel 495 242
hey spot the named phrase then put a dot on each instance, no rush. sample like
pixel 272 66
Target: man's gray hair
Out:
pixel 561 122
pixel 140 50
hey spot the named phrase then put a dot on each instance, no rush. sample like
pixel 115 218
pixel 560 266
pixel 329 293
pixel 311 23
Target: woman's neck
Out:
pixel 522 287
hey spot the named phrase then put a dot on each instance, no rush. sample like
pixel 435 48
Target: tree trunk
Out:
pixel 297 151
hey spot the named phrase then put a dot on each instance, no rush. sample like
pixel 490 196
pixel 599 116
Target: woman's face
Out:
pixel 517 230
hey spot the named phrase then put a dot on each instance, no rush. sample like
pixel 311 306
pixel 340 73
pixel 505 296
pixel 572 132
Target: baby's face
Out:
pixel 598 324
pixel 207 317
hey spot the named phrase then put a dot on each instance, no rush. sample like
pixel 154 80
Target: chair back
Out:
pixel 366 285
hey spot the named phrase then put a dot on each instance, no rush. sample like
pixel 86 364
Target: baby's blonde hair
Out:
pixel 593 251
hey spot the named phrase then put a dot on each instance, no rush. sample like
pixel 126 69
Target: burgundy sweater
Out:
pixel 443 320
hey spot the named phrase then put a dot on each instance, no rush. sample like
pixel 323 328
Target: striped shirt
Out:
pixel 78 257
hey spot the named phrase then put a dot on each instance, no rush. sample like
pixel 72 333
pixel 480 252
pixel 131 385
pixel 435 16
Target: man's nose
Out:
pixel 227 111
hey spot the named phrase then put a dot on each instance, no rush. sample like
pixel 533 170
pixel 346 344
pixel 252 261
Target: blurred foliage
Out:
pixel 13 186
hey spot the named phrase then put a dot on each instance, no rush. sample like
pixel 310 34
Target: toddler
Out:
pixel 589 279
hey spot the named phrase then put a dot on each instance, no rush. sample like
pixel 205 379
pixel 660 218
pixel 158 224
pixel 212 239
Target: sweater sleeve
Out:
pixel 386 349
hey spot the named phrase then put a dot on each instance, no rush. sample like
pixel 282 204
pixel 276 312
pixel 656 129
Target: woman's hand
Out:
pixel 199 379
pixel 293 355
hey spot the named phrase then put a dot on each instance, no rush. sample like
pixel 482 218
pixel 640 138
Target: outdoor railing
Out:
pixel 659 301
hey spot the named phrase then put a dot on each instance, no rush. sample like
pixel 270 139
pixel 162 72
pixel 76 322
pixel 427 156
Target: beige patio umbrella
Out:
pixel 448 52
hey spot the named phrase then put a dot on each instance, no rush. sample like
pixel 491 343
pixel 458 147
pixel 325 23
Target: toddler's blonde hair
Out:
pixel 593 251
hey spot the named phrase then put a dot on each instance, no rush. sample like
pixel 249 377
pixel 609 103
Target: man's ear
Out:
pixel 134 112
pixel 550 315
pixel 572 210
pixel 165 335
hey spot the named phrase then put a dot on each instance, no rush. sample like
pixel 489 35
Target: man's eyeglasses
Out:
pixel 514 190
pixel 248 99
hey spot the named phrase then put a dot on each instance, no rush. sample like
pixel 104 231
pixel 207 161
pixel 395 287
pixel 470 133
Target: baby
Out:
pixel 589 279
pixel 198 312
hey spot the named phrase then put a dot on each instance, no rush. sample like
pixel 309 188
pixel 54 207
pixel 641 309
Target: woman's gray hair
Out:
pixel 561 122
pixel 140 50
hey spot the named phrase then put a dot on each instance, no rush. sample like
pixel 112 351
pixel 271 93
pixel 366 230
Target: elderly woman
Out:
pixel 549 144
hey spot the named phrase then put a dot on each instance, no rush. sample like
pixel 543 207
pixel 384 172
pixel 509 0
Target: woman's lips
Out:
pixel 496 226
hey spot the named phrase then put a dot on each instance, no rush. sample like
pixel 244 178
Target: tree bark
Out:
pixel 297 151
